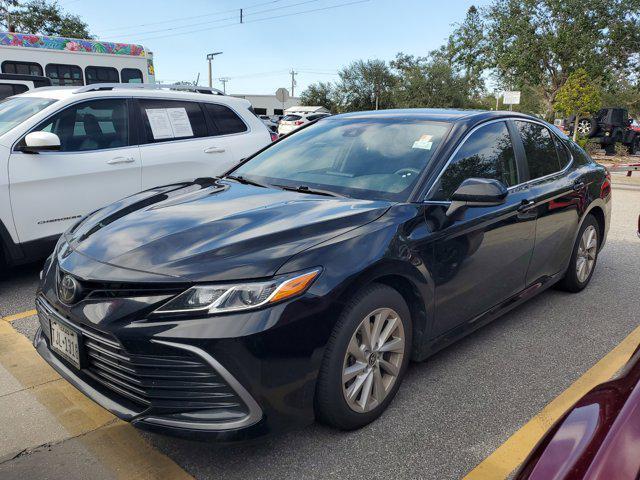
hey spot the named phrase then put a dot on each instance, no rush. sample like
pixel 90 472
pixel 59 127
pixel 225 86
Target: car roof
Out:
pixel 434 114
pixel 64 93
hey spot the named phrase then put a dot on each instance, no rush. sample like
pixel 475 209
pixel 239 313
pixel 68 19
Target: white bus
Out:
pixel 70 61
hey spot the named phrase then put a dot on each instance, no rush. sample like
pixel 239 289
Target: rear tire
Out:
pixel 365 359
pixel 583 257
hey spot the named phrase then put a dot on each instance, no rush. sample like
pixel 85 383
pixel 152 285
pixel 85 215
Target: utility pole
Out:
pixel 293 82
pixel 210 58
pixel 224 81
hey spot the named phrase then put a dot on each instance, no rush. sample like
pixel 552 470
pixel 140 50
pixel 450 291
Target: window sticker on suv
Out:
pixel 169 123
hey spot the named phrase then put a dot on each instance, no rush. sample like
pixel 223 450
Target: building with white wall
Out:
pixel 268 104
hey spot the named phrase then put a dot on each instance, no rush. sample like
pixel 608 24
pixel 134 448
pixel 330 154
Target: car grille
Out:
pixel 171 382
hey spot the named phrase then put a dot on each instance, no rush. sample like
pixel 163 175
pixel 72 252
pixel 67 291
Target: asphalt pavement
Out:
pixel 451 412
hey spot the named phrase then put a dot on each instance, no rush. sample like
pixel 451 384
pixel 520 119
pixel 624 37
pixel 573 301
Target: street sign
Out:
pixel 282 94
pixel 511 98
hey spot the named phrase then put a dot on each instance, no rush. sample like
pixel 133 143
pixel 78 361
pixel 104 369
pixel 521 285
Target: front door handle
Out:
pixel 118 160
pixel 526 205
pixel 214 150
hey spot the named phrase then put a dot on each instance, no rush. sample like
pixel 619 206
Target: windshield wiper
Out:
pixel 314 191
pixel 246 181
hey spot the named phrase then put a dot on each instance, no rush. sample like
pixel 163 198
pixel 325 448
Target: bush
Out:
pixel 621 150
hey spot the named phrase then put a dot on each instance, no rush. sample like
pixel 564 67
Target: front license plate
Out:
pixel 65 342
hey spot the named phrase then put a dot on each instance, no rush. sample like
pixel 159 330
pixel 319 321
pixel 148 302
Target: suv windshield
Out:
pixel 370 158
pixel 14 111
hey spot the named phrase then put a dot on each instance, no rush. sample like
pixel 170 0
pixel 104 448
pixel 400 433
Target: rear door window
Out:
pixel 226 120
pixel 540 149
pixel 486 153
pixel 166 120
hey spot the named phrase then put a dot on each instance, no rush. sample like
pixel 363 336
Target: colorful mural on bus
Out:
pixel 70 44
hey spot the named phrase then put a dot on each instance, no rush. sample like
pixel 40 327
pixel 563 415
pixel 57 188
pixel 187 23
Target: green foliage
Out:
pixel 578 96
pixel 431 82
pixel 321 93
pixel 539 43
pixel 42 17
pixel 365 85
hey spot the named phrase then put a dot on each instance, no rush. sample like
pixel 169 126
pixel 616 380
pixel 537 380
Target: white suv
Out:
pixel 67 151
pixel 292 121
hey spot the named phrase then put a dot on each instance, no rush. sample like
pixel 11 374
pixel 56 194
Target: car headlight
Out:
pixel 240 296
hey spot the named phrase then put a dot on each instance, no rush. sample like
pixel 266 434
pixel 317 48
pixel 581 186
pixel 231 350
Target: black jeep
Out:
pixel 608 126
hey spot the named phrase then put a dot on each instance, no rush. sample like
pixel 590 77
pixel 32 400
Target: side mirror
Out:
pixel 36 142
pixel 477 192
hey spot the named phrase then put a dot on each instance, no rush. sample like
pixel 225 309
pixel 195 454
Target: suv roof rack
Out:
pixel 148 86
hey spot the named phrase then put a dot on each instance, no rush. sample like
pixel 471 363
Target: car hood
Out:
pixel 210 230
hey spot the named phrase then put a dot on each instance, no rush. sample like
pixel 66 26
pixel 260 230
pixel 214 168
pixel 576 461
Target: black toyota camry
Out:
pixel 301 284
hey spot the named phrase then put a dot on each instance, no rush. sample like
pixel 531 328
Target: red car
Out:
pixel 598 438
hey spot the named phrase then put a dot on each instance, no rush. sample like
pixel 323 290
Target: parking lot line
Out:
pixel 508 456
pixel 18 316
pixel 116 444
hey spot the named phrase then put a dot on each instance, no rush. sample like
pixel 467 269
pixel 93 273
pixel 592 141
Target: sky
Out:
pixel 313 37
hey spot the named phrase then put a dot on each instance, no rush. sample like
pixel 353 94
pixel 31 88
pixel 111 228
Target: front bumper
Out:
pixel 258 391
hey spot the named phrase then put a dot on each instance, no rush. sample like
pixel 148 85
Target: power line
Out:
pixel 258 20
pixel 180 27
pixel 179 19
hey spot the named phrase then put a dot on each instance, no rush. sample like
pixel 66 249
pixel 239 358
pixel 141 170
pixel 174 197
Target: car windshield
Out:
pixel 370 158
pixel 15 110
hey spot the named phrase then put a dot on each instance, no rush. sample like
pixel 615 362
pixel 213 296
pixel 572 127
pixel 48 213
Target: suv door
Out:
pixel 557 195
pixel 96 165
pixel 178 143
pixel 480 255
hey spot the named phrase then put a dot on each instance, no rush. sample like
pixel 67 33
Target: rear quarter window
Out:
pixel 226 120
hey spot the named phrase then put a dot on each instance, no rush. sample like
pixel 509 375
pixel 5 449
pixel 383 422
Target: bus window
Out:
pixel 8 89
pixel 101 75
pixel 22 68
pixel 64 74
pixel 131 75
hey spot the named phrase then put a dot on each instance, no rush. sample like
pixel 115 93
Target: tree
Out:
pixel 578 96
pixel 539 43
pixel 41 17
pixel 321 93
pixel 431 81
pixel 365 85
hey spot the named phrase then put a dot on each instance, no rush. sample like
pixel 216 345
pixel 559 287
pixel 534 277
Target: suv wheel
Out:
pixel 583 258
pixel 584 127
pixel 365 360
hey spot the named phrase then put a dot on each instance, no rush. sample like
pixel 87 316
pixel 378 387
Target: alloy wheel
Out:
pixel 587 250
pixel 373 360
pixel 584 127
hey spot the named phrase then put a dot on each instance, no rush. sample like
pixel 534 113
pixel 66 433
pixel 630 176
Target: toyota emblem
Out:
pixel 68 289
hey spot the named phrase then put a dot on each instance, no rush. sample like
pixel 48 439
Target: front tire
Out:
pixel 583 258
pixel 365 360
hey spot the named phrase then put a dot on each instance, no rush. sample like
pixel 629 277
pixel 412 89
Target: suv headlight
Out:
pixel 240 296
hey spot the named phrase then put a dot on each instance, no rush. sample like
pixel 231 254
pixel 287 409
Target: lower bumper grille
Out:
pixel 173 382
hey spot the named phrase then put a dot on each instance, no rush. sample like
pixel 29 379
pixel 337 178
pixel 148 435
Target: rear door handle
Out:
pixel 578 186
pixel 526 205
pixel 214 150
pixel 117 160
